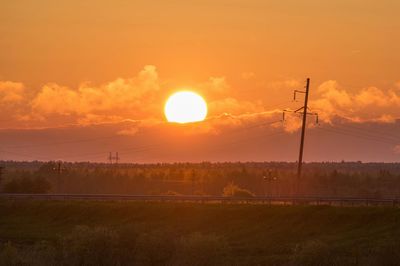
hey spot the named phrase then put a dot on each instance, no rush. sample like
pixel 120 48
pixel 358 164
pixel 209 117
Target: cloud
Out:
pixel 56 99
pixel 226 122
pixel 215 125
pixel 376 97
pixel 369 104
pixel 142 97
pixel 234 106
pixel 285 84
pixel 14 102
pixel 92 119
pixel 213 88
pixel 120 95
pixel 128 132
pixel 292 123
pixel 11 93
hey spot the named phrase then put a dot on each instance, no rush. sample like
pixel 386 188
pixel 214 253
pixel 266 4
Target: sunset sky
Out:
pixel 79 79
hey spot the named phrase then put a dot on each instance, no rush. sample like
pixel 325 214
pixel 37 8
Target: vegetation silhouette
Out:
pixel 131 233
pixel 343 179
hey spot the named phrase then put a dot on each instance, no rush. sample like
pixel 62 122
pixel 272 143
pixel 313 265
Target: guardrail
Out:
pixel 282 200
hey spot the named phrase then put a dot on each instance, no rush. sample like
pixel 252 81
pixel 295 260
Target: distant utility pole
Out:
pixel 116 158
pixel 110 158
pixel 304 110
pixel 59 168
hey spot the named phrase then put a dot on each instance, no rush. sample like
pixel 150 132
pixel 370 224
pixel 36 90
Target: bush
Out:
pixel 27 184
pixel 171 193
pixel 232 190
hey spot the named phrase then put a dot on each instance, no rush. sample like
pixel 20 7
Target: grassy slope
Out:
pixel 255 233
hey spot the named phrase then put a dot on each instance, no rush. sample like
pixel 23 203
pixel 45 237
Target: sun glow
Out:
pixel 185 107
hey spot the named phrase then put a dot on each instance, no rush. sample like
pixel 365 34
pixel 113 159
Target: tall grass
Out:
pixel 102 246
pixel 128 233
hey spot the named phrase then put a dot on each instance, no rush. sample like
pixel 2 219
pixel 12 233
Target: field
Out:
pixel 135 233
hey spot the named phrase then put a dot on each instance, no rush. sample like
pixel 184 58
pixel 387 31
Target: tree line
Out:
pixel 342 179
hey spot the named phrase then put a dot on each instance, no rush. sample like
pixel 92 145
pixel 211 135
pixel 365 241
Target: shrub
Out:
pixel 27 184
pixel 232 190
pixel 171 193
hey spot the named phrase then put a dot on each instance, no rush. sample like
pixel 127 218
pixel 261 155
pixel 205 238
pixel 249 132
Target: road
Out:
pixel 211 199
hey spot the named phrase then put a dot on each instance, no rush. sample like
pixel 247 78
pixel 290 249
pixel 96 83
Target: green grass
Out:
pixel 255 234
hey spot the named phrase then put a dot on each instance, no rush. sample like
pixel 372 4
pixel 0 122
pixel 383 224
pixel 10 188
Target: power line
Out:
pixel 352 134
pixel 63 142
pixel 369 130
pixel 135 148
pixel 366 133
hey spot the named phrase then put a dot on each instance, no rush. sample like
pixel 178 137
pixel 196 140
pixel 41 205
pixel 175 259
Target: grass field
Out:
pixel 132 233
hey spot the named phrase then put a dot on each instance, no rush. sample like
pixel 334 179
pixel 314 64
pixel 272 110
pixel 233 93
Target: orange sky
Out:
pixel 80 64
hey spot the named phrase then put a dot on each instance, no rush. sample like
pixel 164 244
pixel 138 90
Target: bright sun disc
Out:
pixel 185 107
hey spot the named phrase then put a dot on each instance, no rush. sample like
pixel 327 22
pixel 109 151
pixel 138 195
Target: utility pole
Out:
pixel 303 128
pixel 304 111
pixel 59 168
pixel 110 158
pixel 116 158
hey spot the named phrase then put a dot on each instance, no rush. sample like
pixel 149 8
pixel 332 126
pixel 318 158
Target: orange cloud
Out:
pixel 120 95
pixel 368 104
pixel 56 99
pixel 11 93
pixel 234 106
pixel 141 98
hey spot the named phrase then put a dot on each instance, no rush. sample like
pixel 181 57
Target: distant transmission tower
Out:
pixel 112 158
pixel 116 158
pixel 304 111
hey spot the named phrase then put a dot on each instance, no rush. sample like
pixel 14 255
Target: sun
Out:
pixel 185 107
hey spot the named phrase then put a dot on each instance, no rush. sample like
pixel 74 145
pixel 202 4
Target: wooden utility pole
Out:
pixel 303 129
pixel 304 111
